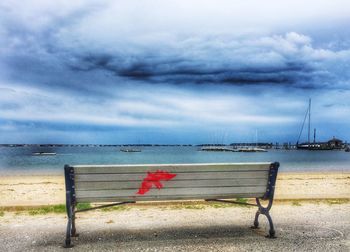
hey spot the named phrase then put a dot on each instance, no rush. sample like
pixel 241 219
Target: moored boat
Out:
pixel 252 149
pixel 44 153
pixel 332 144
pixel 218 148
pixel 130 150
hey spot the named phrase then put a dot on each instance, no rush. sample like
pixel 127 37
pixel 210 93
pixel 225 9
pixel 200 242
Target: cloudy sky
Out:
pixel 173 71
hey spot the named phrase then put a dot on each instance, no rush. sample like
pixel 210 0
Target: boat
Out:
pixel 43 153
pixel 130 150
pixel 329 145
pixel 218 148
pixel 251 149
pixel 311 145
pixel 256 149
pixel 305 146
pixel 347 149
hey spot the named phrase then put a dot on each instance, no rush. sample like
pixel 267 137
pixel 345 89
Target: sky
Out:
pixel 173 72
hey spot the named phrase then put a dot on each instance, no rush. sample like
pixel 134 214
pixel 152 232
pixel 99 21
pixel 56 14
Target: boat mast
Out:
pixel 307 116
pixel 308 136
pixel 314 135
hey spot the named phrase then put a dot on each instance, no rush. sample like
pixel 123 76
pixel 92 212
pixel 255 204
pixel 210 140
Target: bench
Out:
pixel 122 184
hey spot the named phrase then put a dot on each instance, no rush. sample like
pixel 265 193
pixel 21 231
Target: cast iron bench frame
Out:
pixel 71 202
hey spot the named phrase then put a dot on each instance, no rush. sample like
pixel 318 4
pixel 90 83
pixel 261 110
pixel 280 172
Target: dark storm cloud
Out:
pixel 256 64
pixel 190 71
pixel 58 55
pixel 91 48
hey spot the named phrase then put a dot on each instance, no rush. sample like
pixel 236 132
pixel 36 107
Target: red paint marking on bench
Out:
pixel 153 179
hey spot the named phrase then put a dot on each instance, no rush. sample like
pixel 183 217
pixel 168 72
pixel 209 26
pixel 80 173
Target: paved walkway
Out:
pixel 309 227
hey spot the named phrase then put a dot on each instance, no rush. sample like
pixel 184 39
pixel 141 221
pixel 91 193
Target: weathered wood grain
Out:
pixel 109 169
pixel 106 185
pixel 179 176
pixel 173 191
pixel 169 197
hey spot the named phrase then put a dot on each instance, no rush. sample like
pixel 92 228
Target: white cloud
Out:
pixel 139 20
pixel 167 107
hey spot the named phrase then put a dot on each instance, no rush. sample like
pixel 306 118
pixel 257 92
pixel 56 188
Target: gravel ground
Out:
pixel 309 227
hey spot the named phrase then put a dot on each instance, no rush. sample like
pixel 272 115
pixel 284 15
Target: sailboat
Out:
pixel 256 148
pixel 308 145
pixel 305 145
pixel 253 149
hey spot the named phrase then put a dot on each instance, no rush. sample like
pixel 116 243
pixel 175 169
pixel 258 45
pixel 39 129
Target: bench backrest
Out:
pixel 112 183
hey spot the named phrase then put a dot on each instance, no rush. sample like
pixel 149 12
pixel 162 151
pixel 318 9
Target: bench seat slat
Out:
pixel 103 185
pixel 101 169
pixel 179 176
pixel 167 197
pixel 172 191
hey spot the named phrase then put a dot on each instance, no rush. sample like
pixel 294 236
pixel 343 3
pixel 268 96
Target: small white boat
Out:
pixel 44 153
pixel 256 149
pixel 130 150
pixel 252 149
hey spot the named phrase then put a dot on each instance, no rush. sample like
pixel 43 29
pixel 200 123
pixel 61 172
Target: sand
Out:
pixel 44 190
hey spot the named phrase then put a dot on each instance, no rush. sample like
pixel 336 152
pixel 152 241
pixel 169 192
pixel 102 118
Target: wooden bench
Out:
pixel 123 184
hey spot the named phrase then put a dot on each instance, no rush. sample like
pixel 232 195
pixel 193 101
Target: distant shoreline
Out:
pixel 91 145
pixel 264 145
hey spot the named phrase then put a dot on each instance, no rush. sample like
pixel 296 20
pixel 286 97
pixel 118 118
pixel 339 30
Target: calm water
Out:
pixel 19 160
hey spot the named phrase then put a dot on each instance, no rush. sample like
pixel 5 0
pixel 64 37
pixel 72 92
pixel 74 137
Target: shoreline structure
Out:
pixel 339 145
pixel 37 190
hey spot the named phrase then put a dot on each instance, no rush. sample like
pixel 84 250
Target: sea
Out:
pixel 21 161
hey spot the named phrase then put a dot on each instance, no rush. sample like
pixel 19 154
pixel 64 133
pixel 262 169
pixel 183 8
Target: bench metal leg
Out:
pixel 74 231
pixel 70 223
pixel 70 205
pixel 68 242
pixel 256 220
pixel 264 211
pixel 272 229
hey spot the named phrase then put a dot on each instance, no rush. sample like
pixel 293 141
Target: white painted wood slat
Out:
pixel 169 197
pixel 109 169
pixel 179 176
pixel 109 185
pixel 172 191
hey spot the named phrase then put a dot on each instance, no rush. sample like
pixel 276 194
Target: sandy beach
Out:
pixel 48 190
